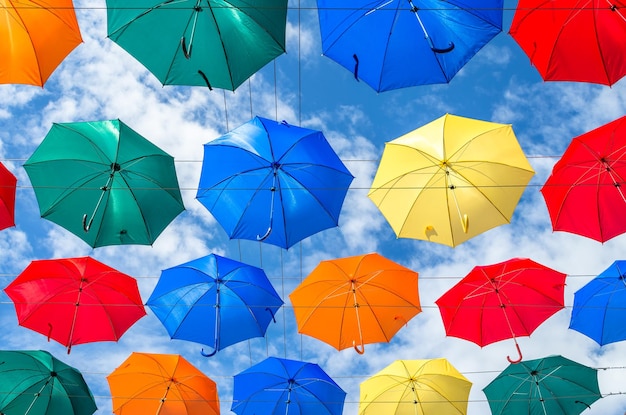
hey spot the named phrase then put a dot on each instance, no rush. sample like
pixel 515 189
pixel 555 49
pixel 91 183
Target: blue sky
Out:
pixel 100 81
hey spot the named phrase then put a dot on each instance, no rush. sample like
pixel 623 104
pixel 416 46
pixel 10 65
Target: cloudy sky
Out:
pixel 100 81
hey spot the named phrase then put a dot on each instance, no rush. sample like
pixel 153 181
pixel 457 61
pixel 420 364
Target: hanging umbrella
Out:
pixel 273 182
pixel 8 186
pixel 217 43
pixel 214 301
pixel 600 306
pixel 36 383
pixel 584 193
pixel 552 385
pixel 415 387
pixel 450 180
pixel 161 384
pixel 502 301
pixel 35 37
pixel 285 387
pixel 391 44
pixel 75 300
pixel 104 183
pixel 573 40
pixel 356 300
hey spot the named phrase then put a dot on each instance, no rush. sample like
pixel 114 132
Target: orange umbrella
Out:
pixel 161 384
pixel 35 37
pixel 356 300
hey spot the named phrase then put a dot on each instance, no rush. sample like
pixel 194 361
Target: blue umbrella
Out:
pixel 273 182
pixel 214 301
pixel 282 387
pixel 391 44
pixel 599 308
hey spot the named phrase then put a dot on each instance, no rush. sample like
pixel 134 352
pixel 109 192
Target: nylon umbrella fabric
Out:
pixel 278 386
pixel 214 43
pixel 450 180
pixel 573 40
pixel 104 183
pixel 599 306
pixel 161 384
pixel 75 300
pixel 214 301
pixel 274 182
pixel 391 44
pixel 8 187
pixel 35 37
pixel 415 387
pixel 36 383
pixel 353 301
pixel 501 301
pixel 584 194
pixel 552 385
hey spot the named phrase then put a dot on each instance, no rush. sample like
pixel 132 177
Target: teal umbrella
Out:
pixel 217 43
pixel 105 183
pixel 36 383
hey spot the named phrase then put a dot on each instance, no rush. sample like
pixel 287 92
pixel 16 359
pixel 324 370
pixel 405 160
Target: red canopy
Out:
pixel 8 184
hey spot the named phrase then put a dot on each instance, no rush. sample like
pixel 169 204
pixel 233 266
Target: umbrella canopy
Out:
pixel 35 37
pixel 397 43
pixel 356 300
pixel 104 183
pixel 552 385
pixel 75 300
pixel 283 387
pixel 161 384
pixel 451 179
pixel 584 193
pixel 36 383
pixel 599 306
pixel 272 181
pixel 573 40
pixel 214 301
pixel 502 301
pixel 8 186
pixel 214 43
pixel 415 387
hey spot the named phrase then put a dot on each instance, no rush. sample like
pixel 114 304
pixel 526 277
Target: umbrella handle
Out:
pixel 360 349
pixel 265 235
pixel 208 354
pixel 519 352
pixel 271 313
pixel 183 46
pixel 440 50
pixel 356 67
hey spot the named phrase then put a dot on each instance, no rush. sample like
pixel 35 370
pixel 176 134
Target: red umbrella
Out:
pixel 8 184
pixel 573 40
pixel 502 301
pixel 584 193
pixel 75 300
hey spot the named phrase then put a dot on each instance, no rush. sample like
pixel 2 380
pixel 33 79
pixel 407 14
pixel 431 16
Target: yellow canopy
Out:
pixel 451 179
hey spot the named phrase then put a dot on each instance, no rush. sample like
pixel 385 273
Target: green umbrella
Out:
pixel 104 183
pixel 36 383
pixel 553 385
pixel 217 43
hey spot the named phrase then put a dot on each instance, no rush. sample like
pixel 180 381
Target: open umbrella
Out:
pixel 8 186
pixel 36 383
pixel 104 183
pixel 573 40
pixel 502 301
pixel 214 301
pixel 584 193
pixel 273 182
pixel 161 384
pixel 552 385
pixel 286 387
pixel 35 37
pixel 600 306
pixel 75 300
pixel 217 43
pixel 415 387
pixel 451 179
pixel 356 300
pixel 392 44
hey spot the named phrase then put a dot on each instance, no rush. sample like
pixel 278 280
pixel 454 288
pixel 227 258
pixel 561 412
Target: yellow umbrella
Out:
pixel 451 179
pixel 415 387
